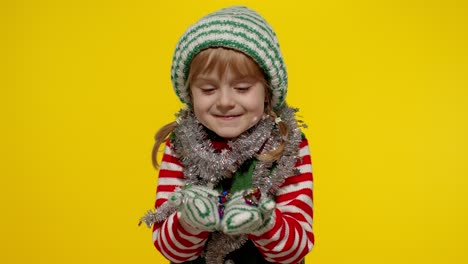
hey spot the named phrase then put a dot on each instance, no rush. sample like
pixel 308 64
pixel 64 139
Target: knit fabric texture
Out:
pixel 197 207
pixel 237 28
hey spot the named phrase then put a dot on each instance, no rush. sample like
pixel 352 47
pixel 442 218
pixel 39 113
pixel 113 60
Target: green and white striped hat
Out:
pixel 237 28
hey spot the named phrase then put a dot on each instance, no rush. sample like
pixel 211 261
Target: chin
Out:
pixel 227 134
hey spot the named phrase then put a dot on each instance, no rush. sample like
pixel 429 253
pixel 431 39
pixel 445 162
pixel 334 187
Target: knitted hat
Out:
pixel 237 28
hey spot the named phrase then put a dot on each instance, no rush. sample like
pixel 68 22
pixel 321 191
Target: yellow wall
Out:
pixel 381 84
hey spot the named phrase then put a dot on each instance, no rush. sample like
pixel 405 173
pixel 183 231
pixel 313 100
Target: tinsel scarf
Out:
pixel 204 165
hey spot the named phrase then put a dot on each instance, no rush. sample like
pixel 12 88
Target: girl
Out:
pixel 235 181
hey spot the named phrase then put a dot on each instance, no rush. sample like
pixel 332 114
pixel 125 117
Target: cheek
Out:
pixel 257 110
pixel 255 120
pixel 198 110
pixel 201 108
pixel 257 103
pixel 199 102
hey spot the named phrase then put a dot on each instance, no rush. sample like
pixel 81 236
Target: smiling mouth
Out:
pixel 226 117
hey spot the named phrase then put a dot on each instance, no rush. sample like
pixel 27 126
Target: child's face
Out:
pixel 227 104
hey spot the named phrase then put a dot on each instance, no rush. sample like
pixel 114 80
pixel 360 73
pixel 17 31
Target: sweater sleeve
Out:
pixel 291 237
pixel 169 237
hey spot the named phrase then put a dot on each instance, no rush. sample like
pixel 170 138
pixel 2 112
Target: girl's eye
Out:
pixel 207 89
pixel 243 88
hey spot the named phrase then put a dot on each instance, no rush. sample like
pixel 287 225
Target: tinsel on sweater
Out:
pixel 204 165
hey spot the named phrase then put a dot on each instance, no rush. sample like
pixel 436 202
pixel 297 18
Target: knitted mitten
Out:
pixel 197 207
pixel 244 216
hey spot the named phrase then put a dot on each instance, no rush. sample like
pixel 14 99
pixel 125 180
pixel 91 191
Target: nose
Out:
pixel 225 99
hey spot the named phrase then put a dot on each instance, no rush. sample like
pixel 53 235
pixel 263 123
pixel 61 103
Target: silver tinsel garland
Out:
pixel 220 245
pixel 158 215
pixel 203 165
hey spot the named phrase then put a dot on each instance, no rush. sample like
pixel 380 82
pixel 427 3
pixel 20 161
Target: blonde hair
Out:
pixel 220 59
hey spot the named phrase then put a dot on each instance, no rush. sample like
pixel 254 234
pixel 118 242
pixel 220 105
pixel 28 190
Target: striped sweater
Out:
pixel 289 239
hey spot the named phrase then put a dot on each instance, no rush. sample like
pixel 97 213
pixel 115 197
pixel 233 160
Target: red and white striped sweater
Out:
pixel 289 239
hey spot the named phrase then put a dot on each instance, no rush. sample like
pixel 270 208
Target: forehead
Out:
pixel 217 61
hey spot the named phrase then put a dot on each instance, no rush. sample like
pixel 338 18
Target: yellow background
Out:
pixel 381 84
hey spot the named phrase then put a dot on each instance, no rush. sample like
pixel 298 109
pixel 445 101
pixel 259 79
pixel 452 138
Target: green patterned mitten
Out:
pixel 241 216
pixel 197 207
